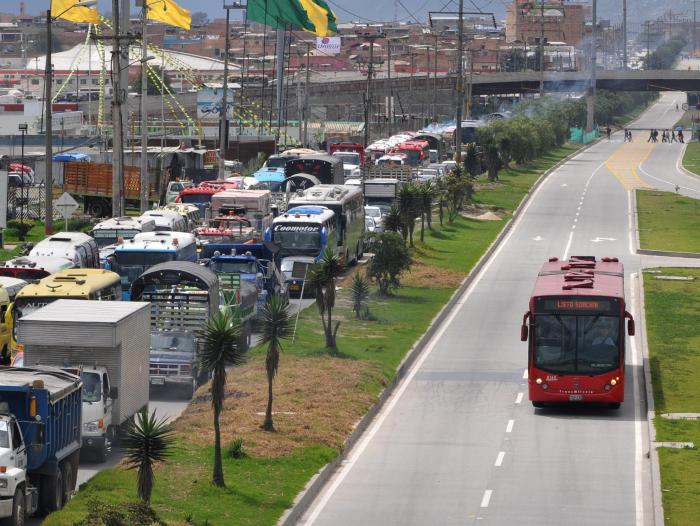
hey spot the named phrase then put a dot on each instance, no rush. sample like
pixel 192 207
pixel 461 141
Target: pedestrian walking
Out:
pixel 680 136
pixel 664 137
pixel 651 136
pixel 673 136
pixel 608 131
pixel 629 135
pixel 676 106
pixel 656 135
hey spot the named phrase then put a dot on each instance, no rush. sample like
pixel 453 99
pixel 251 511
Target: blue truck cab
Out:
pixel 40 426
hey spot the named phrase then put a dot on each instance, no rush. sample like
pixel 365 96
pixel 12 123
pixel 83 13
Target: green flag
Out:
pixel 313 16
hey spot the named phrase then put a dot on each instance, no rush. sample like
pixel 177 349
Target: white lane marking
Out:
pixel 519 398
pixel 564 185
pixel 630 223
pixel 641 168
pixel 509 427
pixel 525 374
pixel 600 239
pixel 362 444
pixel 568 246
pixel 486 498
pixel 538 238
pixel 638 490
pixel 499 459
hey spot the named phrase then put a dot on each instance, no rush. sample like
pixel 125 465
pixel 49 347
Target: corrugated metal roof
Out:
pixel 88 311
pixel 202 276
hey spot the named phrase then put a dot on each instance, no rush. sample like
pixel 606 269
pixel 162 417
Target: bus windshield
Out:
pixel 567 344
pixel 111 236
pixel 130 265
pixel 348 157
pixel 27 305
pixel 297 238
pixel 412 156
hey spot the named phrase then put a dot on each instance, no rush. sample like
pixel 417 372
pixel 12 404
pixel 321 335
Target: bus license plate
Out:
pixel 575 398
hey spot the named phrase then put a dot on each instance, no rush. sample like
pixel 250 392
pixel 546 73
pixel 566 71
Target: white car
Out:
pixel 375 213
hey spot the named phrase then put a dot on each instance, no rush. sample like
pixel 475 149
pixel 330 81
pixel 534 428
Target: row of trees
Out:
pixel 544 124
pixel 665 55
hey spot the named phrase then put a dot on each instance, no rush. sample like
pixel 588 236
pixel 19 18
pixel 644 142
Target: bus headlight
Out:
pixel 538 381
pixel 608 386
pixel 613 382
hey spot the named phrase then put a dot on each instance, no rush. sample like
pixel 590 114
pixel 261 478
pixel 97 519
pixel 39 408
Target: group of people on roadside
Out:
pixel 666 136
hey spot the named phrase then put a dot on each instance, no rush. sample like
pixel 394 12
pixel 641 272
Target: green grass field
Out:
pixel 261 488
pixel 691 159
pixel 668 221
pixel 674 348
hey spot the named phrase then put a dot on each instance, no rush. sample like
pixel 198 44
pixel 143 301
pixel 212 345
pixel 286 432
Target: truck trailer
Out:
pixel 107 343
pixel 40 415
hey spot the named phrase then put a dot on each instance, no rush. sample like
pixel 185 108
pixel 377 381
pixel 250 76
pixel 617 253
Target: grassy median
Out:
pixel 691 158
pixel 318 397
pixel 674 348
pixel 668 221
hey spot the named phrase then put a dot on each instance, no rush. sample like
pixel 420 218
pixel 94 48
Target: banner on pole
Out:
pixel 328 45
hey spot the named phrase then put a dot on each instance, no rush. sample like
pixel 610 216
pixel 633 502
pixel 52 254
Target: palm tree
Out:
pixel 359 289
pixel 392 221
pixel 221 348
pixel 322 278
pixel 408 208
pixel 426 193
pixel 148 440
pixel 276 323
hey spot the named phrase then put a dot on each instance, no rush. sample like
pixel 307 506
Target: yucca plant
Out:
pixel 276 324
pixel 148 440
pixel 220 337
pixel 359 290
pixel 322 278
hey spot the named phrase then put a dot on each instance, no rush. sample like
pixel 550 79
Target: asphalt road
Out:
pixel 458 442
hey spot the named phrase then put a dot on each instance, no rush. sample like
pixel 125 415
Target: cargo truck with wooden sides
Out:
pixel 40 417
pixel 92 183
pixel 107 344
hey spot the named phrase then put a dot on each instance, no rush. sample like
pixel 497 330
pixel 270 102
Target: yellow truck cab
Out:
pixel 9 287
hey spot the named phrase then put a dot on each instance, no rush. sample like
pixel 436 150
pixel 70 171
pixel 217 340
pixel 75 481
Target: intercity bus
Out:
pixel 347 203
pixel 575 329
pixel 77 283
pixel 304 231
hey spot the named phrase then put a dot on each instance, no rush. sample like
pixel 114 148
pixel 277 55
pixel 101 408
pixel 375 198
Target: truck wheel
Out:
pixel 19 510
pixel 97 208
pixel 52 492
pixel 101 453
pixel 68 480
pixel 190 389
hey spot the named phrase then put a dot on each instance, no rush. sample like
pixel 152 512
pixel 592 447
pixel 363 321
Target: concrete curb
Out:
pixel 653 454
pixel 314 487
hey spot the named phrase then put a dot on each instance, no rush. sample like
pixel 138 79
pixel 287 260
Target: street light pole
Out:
pixel 23 129
pixel 306 96
pixel 117 121
pixel 590 97
pixel 48 177
pixel 460 84
pixel 624 35
pixel 542 48
pixel 223 113
pixel 143 201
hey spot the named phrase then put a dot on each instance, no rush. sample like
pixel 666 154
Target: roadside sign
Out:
pixel 66 205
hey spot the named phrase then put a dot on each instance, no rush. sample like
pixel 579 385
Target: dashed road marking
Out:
pixel 509 427
pixel 499 459
pixel 519 398
pixel 486 498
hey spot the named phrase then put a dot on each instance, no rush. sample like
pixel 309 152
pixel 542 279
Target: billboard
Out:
pixel 67 120
pixel 209 103
pixel 328 45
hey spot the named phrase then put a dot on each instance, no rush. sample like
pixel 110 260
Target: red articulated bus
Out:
pixel 575 327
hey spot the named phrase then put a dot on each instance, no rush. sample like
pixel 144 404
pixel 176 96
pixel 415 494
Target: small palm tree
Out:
pixel 276 323
pixel 426 193
pixel 221 348
pixel 409 207
pixel 322 278
pixel 148 440
pixel 392 221
pixel 359 289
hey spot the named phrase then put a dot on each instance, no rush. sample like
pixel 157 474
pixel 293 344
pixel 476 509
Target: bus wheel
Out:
pixel 97 208
pixel 614 405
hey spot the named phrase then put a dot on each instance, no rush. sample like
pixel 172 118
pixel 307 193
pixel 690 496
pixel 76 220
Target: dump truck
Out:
pixel 106 344
pixel 40 416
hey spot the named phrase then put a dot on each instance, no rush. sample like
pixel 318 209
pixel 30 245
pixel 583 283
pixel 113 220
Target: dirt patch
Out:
pixel 483 212
pixel 423 275
pixel 317 400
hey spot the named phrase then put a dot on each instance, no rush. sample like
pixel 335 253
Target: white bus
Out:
pixel 347 203
pixel 304 231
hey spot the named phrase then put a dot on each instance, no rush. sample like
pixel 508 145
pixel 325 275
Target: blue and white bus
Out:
pixel 134 256
pixel 347 203
pixel 304 231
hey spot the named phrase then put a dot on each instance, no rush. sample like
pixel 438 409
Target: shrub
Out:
pixel 391 259
pixel 235 449
pixel 21 227
pixel 131 514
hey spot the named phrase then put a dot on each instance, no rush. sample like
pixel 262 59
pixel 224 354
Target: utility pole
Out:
pixel 590 96
pixel 48 178
pixel 117 122
pixel 695 32
pixel 391 87
pixel 368 94
pixel 223 113
pixel 435 55
pixel 460 83
pixel 542 48
pixel 279 74
pixel 143 201
pixel 624 35
pixel 306 95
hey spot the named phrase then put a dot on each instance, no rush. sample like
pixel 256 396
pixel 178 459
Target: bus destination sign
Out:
pixel 577 304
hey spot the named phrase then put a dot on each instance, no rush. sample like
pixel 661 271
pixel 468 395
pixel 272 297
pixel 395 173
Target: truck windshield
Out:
pixel 244 267
pixel 4 436
pixel 413 156
pixel 111 236
pixel 130 265
pixel 172 341
pixel 196 199
pixel 576 344
pixel 91 387
pixel 348 157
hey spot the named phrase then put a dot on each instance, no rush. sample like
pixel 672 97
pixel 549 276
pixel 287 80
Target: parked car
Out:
pixel 376 214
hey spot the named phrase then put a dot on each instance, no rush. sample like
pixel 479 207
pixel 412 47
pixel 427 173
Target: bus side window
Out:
pixel 82 256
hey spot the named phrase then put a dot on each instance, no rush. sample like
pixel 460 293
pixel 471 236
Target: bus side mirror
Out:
pixel 523 328
pixel 630 324
pixel 114 392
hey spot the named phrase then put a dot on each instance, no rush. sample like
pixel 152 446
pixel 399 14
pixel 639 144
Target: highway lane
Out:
pixel 458 442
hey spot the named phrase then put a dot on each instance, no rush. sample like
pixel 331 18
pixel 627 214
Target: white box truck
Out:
pixel 108 343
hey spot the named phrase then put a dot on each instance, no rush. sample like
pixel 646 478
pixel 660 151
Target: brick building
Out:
pixel 563 22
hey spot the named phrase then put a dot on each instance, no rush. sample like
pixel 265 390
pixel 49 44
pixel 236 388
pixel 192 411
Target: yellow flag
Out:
pixel 168 12
pixel 68 10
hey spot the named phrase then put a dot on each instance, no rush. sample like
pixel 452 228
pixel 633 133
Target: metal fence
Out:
pixel 26 202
